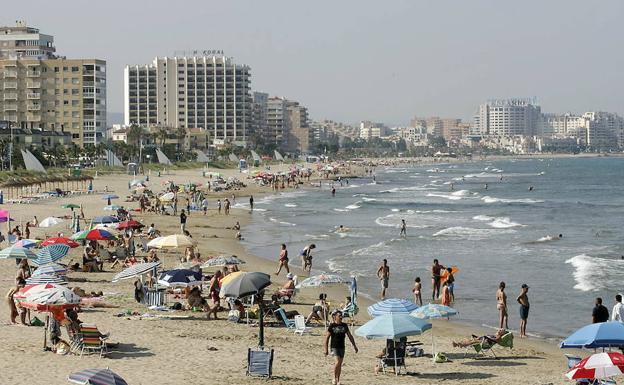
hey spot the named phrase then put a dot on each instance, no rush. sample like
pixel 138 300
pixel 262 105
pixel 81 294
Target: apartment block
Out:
pixel 300 135
pixel 39 90
pixel 508 117
pixel 207 91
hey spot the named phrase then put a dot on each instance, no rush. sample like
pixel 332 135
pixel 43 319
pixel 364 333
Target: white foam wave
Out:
pixel 445 196
pixel 281 222
pixel 354 206
pixel 595 273
pixel 365 199
pixel 291 205
pixel 470 233
pixel 489 199
pixel 504 223
pixel 484 218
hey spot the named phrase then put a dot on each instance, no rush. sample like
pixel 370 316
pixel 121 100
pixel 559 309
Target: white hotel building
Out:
pixel 208 91
pixel 508 117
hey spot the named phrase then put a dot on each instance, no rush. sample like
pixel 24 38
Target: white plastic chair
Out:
pixel 300 326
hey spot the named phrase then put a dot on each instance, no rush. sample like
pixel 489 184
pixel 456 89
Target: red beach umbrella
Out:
pixel 131 224
pixel 60 241
pixel 599 365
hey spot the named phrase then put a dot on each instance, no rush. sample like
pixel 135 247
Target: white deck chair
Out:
pixel 300 326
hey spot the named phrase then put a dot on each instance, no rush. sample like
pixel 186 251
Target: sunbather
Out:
pixel 491 339
pixel 320 309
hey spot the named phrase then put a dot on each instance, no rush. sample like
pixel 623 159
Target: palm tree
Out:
pixel 135 134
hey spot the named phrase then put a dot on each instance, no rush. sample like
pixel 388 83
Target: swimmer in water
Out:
pixel 530 188
pixel 486 186
pixel 342 229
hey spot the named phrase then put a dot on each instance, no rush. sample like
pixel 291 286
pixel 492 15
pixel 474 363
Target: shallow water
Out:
pixel 503 233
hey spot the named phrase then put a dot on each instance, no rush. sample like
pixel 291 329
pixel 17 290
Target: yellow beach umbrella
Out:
pixel 228 278
pixel 171 242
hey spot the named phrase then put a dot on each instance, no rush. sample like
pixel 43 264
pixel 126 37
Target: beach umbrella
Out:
pixel 434 310
pixel 131 224
pixel 46 278
pixel 96 377
pixel 323 280
pixel 93 235
pixel 17 252
pixel 27 243
pixel 222 260
pixel 105 219
pixel 60 241
pixel 51 253
pixel 112 208
pixel 180 278
pixel 599 365
pixel 392 326
pixel 136 270
pixel 70 206
pixel 47 297
pixel 108 198
pixel 50 221
pixel 50 268
pixel 391 305
pixel 167 197
pixel 137 182
pixel 598 335
pixel 171 242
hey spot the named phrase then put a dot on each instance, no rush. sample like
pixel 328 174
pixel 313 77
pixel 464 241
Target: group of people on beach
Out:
pixel 524 306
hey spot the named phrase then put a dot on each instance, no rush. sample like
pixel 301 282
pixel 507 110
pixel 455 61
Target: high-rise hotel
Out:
pixel 41 90
pixel 206 91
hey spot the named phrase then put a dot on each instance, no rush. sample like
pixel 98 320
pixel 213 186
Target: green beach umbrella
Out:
pixel 70 206
pixel 17 252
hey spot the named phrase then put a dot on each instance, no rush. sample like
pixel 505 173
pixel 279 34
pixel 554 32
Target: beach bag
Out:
pixel 233 316
pixel 414 351
pixel 36 322
pixel 440 358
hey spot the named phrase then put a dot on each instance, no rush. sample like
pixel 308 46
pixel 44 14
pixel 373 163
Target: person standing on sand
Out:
pixel 403 232
pixel 182 221
pixel 336 333
pixel 501 306
pixel 205 205
pixel 523 300
pixel 617 314
pixel 417 290
pixel 383 273
pixel 283 260
pixel 600 313
pixel 226 206
pixel 435 279
pixel 12 307
pixel 188 206
pixel 219 205
pixel 306 257
pixel 251 201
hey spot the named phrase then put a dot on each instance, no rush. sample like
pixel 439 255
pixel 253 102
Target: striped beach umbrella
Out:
pixel 323 280
pixel 60 241
pixel 51 253
pixel 96 377
pixel 46 278
pixel 433 310
pixel 47 297
pixel 136 270
pixel 180 278
pixel 27 243
pixel 50 268
pixel 17 252
pixel 598 365
pixel 391 306
pixel 93 235
pixel 222 260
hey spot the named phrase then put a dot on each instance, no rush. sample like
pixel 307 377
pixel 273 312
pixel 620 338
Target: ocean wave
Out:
pixel 504 223
pixel 366 199
pixel 281 222
pixel 320 236
pixel 489 199
pixel 291 205
pixel 484 218
pixel 454 196
pixel 470 233
pixel 595 273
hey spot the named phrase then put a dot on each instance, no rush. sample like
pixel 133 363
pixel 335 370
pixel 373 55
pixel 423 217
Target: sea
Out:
pixel 495 220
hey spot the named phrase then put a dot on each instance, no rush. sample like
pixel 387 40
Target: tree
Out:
pixel 135 134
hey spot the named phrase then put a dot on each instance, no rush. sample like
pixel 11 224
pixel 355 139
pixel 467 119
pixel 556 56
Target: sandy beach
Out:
pixel 194 350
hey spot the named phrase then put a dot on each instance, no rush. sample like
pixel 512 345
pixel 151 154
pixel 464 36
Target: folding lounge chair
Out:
pixel 89 338
pixel 486 344
pixel 260 362
pixel 394 357
pixel 300 326
pixel 350 312
pixel 290 324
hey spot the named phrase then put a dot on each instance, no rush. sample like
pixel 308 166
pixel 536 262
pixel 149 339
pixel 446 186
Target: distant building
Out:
pixel 508 117
pixel 563 126
pixel 604 129
pixel 370 130
pixel 39 90
pixel 300 136
pixel 259 111
pixel 448 128
pixel 205 91
pixel 120 135
pixel 416 136
pixel 277 122
pixel 36 138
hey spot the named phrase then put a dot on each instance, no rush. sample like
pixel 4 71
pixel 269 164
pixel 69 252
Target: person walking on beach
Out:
pixel 226 206
pixel 523 300
pixel 219 205
pixel 182 221
pixel 335 338
pixel 450 282
pixel 501 306
pixel 435 279
pixel 383 273
pixel 600 313
pixel 188 206
pixel 403 232
pixel 306 257
pixel 251 201
pixel 205 205
pixel 283 260
pixel 417 290
pixel 617 314
pixel 175 205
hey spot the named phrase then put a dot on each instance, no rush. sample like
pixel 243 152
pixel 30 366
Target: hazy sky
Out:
pixel 357 60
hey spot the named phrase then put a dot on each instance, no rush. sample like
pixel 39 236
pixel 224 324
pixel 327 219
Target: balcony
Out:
pixel 88 94
pixel 34 107
pixel 33 118
pixel 10 85
pixel 10 96
pixel 10 107
pixel 10 74
pixel 33 85
pixel 33 74
pixel 10 118
pixel 33 95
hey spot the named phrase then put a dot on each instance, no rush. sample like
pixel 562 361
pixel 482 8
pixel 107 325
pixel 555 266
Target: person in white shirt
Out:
pixel 618 309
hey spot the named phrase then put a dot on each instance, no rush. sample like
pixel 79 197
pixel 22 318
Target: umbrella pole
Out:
pixel 261 324
pixel 45 333
pixel 396 368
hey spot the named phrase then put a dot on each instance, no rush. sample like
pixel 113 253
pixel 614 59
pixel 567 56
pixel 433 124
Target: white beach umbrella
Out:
pixel 50 221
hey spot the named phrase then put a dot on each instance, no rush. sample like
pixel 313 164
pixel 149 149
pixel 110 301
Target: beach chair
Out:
pixel 350 312
pixel 394 357
pixel 300 326
pixel 487 344
pixel 88 339
pixel 260 362
pixel 290 324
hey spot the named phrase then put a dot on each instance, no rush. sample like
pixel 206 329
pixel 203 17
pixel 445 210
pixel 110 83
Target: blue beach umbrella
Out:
pixel 598 335
pixel 51 253
pixel 50 268
pixel 105 219
pixel 391 305
pixel 46 278
pixel 392 326
pixel 180 278
pixel 17 252
pixel 433 310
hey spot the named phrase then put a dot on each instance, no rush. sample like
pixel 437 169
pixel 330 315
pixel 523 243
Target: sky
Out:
pixel 352 60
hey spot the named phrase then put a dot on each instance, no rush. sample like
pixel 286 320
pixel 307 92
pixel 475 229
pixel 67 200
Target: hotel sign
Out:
pixel 202 52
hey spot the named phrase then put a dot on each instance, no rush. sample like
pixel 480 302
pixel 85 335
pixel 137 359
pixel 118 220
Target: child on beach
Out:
pixel 416 290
